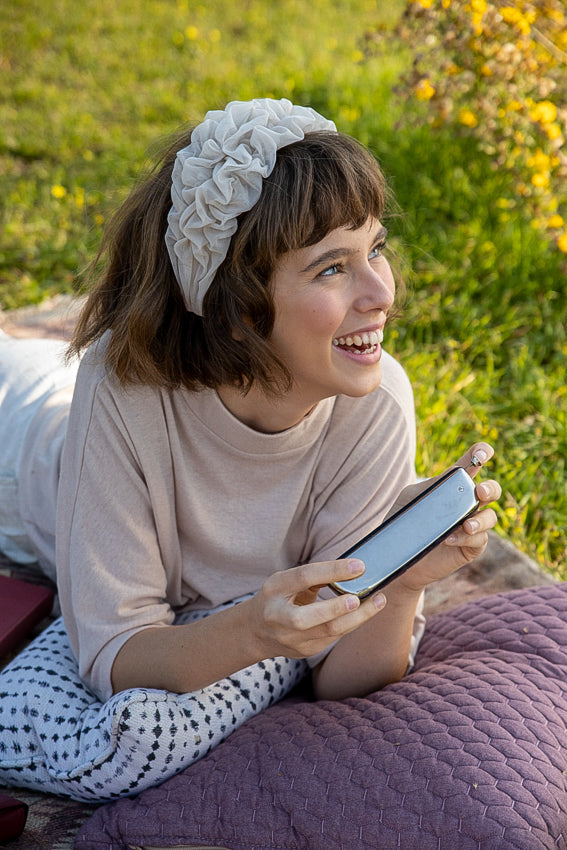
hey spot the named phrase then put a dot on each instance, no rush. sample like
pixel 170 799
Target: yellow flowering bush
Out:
pixel 497 69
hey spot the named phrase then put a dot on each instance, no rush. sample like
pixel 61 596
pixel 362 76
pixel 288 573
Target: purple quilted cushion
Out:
pixel 468 751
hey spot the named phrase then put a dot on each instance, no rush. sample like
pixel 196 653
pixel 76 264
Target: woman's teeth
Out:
pixel 360 343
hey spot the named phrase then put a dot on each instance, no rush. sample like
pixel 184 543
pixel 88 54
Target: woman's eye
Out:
pixel 330 271
pixel 377 251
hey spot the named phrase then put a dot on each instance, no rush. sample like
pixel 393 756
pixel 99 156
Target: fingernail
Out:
pixel 355 566
pixel 352 602
pixel 483 491
pixel 379 600
pixel 472 525
pixel 451 538
pixel 482 455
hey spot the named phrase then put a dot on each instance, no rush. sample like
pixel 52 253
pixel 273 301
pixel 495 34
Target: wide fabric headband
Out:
pixel 219 176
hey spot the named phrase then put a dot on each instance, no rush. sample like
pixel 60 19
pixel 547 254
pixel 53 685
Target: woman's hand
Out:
pixel 468 541
pixel 288 619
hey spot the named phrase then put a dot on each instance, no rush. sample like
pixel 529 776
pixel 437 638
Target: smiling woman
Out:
pixel 317 305
pixel 235 426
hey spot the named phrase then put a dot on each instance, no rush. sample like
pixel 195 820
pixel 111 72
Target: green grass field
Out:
pixel 88 88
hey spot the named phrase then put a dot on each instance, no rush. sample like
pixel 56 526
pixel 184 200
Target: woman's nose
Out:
pixel 376 288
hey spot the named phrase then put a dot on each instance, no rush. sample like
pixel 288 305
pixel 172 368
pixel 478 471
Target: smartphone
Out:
pixel 411 532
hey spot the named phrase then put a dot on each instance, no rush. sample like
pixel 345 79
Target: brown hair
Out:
pixel 325 181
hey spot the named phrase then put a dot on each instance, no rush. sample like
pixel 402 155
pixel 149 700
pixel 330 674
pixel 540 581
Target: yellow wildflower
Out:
pixel 468 117
pixel 424 90
pixel 539 161
pixel 562 242
pixel 478 9
pixel 540 179
pixel 514 16
pixel 553 131
pixel 350 113
pixel 58 191
pixel 425 4
pixel 192 33
pixel 545 112
pixel 555 221
pixel 214 36
pixel 357 56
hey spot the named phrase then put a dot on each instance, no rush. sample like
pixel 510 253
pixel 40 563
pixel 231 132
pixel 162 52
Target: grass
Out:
pixel 89 87
pixel 483 335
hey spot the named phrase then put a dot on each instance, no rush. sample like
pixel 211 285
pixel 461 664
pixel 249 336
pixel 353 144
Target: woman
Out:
pixel 236 424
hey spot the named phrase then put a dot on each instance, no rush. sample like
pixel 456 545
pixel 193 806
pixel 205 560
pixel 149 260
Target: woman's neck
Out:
pixel 263 413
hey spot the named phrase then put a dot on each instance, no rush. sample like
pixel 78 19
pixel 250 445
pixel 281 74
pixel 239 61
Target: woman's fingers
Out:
pixel 336 616
pixel 472 460
pixel 291 583
pixel 488 491
pixel 475 458
pixel 472 532
pixel 293 611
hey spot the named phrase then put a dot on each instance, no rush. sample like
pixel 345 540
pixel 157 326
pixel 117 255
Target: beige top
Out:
pixel 167 502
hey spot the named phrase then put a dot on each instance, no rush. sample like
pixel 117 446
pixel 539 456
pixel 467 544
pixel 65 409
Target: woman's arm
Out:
pixel 377 653
pixel 284 618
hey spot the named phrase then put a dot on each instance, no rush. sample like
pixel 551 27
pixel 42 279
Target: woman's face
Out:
pixel 331 301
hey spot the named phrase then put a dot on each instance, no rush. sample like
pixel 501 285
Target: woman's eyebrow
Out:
pixel 336 253
pixel 327 257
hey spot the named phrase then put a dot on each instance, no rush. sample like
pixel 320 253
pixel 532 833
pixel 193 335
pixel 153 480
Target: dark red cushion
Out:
pixel 13 815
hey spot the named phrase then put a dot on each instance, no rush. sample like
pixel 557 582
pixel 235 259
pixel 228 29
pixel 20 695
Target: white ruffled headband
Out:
pixel 219 176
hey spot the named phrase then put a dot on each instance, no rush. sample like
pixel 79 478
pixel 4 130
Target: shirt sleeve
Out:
pixel 111 578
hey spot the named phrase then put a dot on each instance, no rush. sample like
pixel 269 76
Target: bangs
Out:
pixel 323 182
pixel 335 186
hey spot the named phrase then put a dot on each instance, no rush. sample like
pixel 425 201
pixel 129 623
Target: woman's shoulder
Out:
pixel 95 377
pixel 395 381
pixel 101 401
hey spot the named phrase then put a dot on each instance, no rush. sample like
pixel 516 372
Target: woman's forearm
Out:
pixel 374 655
pixel 188 657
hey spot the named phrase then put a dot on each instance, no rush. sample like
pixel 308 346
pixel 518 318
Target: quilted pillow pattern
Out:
pixel 468 751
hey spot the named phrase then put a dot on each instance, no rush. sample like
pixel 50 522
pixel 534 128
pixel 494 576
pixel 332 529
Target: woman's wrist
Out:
pixel 403 593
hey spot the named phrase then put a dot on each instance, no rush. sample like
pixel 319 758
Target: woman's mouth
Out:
pixel 364 343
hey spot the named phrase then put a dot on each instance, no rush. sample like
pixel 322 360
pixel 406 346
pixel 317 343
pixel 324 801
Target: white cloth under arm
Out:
pixel 36 387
